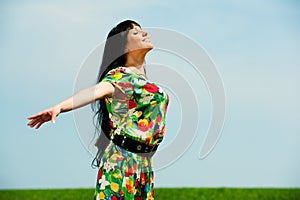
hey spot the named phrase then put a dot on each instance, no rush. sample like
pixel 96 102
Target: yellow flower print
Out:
pixel 149 195
pixel 129 186
pixel 101 196
pixel 143 122
pixel 119 175
pixel 153 103
pixel 139 113
pixel 117 76
pixel 114 187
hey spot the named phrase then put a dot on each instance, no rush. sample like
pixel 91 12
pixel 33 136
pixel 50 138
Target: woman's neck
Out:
pixel 135 59
pixel 135 62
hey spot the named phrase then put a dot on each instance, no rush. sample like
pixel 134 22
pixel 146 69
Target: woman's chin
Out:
pixel 149 46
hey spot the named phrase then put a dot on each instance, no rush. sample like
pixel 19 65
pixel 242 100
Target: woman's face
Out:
pixel 137 39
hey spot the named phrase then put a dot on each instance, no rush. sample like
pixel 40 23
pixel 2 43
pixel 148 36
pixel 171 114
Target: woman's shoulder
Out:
pixel 119 69
pixel 118 74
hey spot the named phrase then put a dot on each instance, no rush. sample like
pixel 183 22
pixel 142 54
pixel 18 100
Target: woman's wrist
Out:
pixel 59 107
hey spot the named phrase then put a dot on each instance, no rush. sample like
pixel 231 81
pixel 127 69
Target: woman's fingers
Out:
pixel 38 119
pixel 39 124
pixel 29 123
pixel 36 115
pixel 33 122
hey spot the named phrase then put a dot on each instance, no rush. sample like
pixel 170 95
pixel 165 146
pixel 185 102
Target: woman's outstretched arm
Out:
pixel 81 98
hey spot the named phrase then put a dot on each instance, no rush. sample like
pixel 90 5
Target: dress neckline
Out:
pixel 144 77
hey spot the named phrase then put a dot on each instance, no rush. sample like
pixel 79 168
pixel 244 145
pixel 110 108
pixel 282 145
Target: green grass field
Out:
pixel 161 194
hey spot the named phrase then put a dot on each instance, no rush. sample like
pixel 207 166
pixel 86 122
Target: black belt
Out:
pixel 133 145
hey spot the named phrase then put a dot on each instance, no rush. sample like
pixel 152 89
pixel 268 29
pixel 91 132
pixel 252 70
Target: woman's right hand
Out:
pixel 44 116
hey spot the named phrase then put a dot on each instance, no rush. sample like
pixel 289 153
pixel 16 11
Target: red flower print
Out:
pixel 143 179
pixel 112 73
pixel 158 118
pixel 130 171
pixel 111 124
pixel 129 186
pixel 150 88
pixel 99 174
pixel 127 174
pixel 114 197
pixel 148 140
pixel 144 125
pixel 131 104
pixel 150 124
pixel 120 70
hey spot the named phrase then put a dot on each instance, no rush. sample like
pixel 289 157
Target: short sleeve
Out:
pixel 121 79
pixel 114 75
pixel 117 104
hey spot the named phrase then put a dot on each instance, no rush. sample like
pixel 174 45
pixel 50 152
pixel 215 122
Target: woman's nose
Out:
pixel 145 33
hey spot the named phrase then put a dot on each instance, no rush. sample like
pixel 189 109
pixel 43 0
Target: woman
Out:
pixel 131 111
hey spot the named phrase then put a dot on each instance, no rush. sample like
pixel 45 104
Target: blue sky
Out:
pixel 254 44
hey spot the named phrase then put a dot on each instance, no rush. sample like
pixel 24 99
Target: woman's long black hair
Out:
pixel 113 56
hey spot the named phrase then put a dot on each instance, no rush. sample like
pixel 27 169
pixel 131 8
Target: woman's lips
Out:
pixel 146 40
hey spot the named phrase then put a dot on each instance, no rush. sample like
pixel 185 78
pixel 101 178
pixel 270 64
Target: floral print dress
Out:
pixel 137 110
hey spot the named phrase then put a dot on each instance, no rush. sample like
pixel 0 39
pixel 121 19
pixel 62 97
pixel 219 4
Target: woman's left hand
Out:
pixel 44 116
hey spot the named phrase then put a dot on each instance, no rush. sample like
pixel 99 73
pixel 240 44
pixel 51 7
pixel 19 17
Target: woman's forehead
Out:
pixel 137 27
